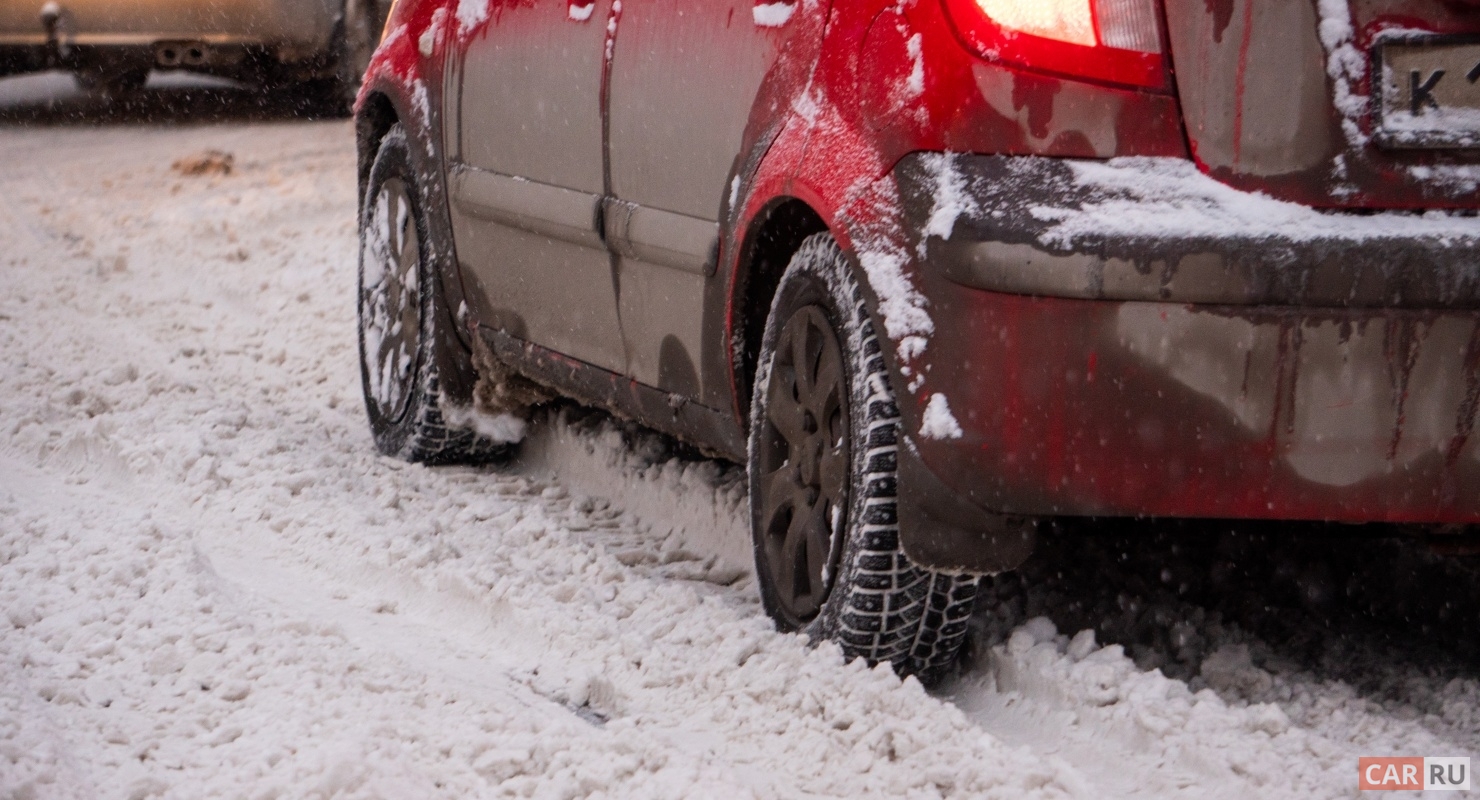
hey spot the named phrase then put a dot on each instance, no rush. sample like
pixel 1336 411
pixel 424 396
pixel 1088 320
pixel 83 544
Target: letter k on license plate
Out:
pixel 1429 94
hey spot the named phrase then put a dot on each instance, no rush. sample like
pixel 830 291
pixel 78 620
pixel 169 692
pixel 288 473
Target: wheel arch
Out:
pixel 772 238
pixel 376 117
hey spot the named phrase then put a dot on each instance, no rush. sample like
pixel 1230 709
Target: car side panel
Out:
pixel 684 77
pixel 528 178
pixel 531 94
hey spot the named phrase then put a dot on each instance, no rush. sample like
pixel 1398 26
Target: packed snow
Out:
pixel 1169 198
pixel 1459 126
pixel 472 13
pixel 212 586
pixel 938 422
pixel 952 196
pixel 426 43
pixel 212 581
pixel 1346 66
pixel 773 15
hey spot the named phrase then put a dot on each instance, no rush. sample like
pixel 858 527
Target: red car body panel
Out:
pixel 1077 404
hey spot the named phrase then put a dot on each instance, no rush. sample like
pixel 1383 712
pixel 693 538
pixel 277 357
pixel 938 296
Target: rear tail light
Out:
pixel 1115 41
pixel 1064 20
pixel 1128 25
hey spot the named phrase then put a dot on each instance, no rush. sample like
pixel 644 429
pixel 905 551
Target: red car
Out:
pixel 937 269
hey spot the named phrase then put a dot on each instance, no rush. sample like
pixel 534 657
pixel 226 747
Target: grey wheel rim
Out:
pixel 390 299
pixel 804 460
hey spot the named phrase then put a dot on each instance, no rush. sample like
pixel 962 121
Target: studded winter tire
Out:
pixel 824 429
pixel 406 342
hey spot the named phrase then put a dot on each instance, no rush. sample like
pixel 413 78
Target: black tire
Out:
pixel 402 367
pixel 354 42
pixel 861 591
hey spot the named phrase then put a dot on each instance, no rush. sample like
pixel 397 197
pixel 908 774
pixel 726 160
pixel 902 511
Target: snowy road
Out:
pixel 211 586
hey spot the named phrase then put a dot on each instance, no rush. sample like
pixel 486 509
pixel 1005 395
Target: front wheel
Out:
pixel 405 339
pixel 824 431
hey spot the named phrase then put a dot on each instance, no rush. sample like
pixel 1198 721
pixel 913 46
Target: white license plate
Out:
pixel 1429 94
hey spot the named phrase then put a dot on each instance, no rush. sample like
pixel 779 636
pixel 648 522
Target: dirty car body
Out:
pixel 1184 258
pixel 103 41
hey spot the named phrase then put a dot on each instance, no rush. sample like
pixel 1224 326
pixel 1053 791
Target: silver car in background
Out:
pixel 111 45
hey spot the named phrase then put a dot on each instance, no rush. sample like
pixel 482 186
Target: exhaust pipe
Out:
pixel 167 55
pixel 181 54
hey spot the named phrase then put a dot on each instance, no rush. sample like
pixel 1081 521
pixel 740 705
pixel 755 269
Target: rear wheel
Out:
pixel 824 429
pixel 405 337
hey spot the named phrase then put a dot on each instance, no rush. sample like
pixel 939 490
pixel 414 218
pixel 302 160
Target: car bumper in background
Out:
pixel 134 23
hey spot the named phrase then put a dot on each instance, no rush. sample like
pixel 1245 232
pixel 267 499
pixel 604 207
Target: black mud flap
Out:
pixel 941 530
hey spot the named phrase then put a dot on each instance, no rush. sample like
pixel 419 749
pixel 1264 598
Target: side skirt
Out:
pixel 715 433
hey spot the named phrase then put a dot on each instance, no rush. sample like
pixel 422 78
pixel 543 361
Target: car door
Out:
pixel 684 76
pixel 526 177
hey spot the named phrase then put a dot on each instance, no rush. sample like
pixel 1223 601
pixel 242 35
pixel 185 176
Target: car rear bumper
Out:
pixel 134 23
pixel 1252 375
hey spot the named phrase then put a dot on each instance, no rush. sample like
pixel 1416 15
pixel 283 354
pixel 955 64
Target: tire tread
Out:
pixel 884 608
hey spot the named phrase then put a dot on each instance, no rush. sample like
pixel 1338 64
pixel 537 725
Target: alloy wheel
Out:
pixel 804 463
pixel 390 299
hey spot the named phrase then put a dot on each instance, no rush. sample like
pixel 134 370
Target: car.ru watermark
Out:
pixel 1414 773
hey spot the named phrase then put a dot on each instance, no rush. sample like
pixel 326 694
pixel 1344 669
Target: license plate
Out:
pixel 1430 94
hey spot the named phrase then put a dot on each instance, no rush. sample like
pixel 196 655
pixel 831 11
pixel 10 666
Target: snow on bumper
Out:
pixel 1157 229
pixel 1133 338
